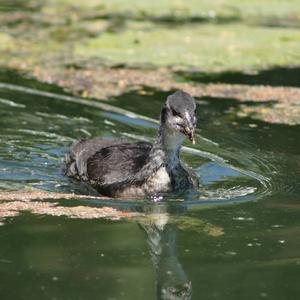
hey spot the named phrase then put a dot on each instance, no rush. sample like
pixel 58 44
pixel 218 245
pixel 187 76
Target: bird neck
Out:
pixel 169 142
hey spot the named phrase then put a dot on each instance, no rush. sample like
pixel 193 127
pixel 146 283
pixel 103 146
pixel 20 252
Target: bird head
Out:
pixel 179 114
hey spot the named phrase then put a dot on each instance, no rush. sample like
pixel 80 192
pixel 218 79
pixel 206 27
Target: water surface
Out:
pixel 238 238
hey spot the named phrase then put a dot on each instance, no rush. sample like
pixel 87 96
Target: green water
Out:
pixel 238 238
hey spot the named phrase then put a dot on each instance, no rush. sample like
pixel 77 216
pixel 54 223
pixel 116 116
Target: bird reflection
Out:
pixel 160 230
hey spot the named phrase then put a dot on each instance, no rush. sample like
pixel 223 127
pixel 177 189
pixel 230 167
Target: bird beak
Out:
pixel 190 133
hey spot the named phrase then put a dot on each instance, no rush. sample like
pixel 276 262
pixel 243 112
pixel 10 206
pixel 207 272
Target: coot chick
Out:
pixel 118 168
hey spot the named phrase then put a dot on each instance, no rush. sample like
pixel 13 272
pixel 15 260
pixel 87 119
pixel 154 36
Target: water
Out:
pixel 238 238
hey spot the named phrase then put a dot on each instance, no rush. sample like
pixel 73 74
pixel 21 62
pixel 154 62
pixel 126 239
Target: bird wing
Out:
pixel 81 151
pixel 117 164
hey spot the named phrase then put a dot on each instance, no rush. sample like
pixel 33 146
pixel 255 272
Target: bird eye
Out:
pixel 175 113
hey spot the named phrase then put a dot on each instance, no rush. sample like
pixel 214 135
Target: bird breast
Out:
pixel 159 182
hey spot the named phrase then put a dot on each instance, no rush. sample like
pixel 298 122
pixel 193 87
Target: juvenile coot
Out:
pixel 118 168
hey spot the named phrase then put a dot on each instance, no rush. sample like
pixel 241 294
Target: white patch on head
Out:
pixel 188 117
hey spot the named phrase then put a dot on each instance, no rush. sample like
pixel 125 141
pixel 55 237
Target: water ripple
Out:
pixel 31 156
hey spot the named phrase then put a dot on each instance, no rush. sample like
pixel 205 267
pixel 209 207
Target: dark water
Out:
pixel 239 238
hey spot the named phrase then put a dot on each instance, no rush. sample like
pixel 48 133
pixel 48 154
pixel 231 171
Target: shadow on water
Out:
pixel 203 248
pixel 20 5
pixel 117 21
pixel 277 76
pixel 18 78
pixel 167 19
pixel 175 19
pixel 279 22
